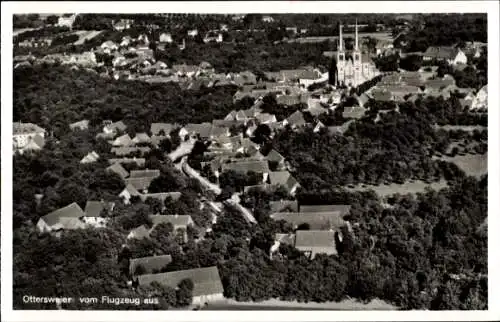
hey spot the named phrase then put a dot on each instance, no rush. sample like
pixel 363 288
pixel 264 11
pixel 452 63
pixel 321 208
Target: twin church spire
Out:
pixel 341 39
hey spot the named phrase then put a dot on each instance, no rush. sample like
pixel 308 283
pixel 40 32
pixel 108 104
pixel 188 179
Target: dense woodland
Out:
pixel 444 30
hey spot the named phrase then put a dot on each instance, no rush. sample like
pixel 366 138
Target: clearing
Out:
pixel 408 187
pixel 472 164
pixel 85 35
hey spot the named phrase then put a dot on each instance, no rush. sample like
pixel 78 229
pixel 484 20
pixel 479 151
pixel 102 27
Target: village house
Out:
pixel 66 218
pixel 186 70
pixel 124 151
pixel 91 157
pixel 67 21
pixel 140 184
pixel 247 166
pixel 284 206
pixel 343 209
pixel 207 283
pixel 148 265
pixel 118 169
pixel 141 138
pixel 27 136
pixel 480 101
pixel 108 47
pixel 126 41
pixel 353 112
pixel 166 38
pixel 122 141
pixel 192 33
pixel 129 192
pixel 140 162
pixel 123 24
pixel 327 220
pixel 80 125
pixel 180 224
pixel 451 55
pixel 161 196
pixel 162 129
pixel 317 128
pixel 96 213
pixel 267 19
pixel 213 37
pixel 140 232
pixel 273 157
pixel 114 127
pixel 284 179
pixel 295 120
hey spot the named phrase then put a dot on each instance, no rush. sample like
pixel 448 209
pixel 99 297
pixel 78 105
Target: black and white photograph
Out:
pixel 269 160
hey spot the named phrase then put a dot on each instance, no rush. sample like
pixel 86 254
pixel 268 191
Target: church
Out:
pixel 353 68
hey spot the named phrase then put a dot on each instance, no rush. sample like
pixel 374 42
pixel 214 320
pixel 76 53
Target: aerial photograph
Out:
pixel 250 161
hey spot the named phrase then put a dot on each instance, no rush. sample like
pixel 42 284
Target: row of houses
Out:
pixel 318 229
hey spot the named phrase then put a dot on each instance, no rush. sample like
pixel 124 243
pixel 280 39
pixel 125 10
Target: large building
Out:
pixel 353 68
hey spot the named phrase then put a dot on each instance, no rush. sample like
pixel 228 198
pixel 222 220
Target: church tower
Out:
pixel 356 56
pixel 340 59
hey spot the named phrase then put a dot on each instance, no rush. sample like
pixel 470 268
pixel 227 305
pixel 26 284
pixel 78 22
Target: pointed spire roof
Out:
pixel 356 46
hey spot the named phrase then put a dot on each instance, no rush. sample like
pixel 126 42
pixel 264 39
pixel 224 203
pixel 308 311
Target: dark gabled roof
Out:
pixel 122 151
pixel 206 280
pixel 141 138
pixel 154 173
pixel 123 140
pixel 202 129
pixel 140 232
pixel 282 178
pixel 296 119
pixel 21 128
pixel 288 100
pixel 315 239
pixel 95 208
pixel 287 239
pixel 354 112
pixel 275 156
pixel 70 211
pixel 344 209
pixel 37 142
pixel 117 126
pixel 166 127
pixel 442 52
pixel 132 190
pixel 161 196
pixel 139 183
pixel 316 220
pixel 149 264
pixel 278 206
pixel 138 161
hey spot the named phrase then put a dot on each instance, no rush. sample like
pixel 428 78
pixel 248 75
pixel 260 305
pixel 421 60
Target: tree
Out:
pixel 52 19
pixel 184 292
pixel 411 63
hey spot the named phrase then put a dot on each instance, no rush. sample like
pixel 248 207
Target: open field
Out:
pixel 408 187
pixel 277 305
pixel 467 128
pixel 85 35
pixel 382 36
pixel 473 164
